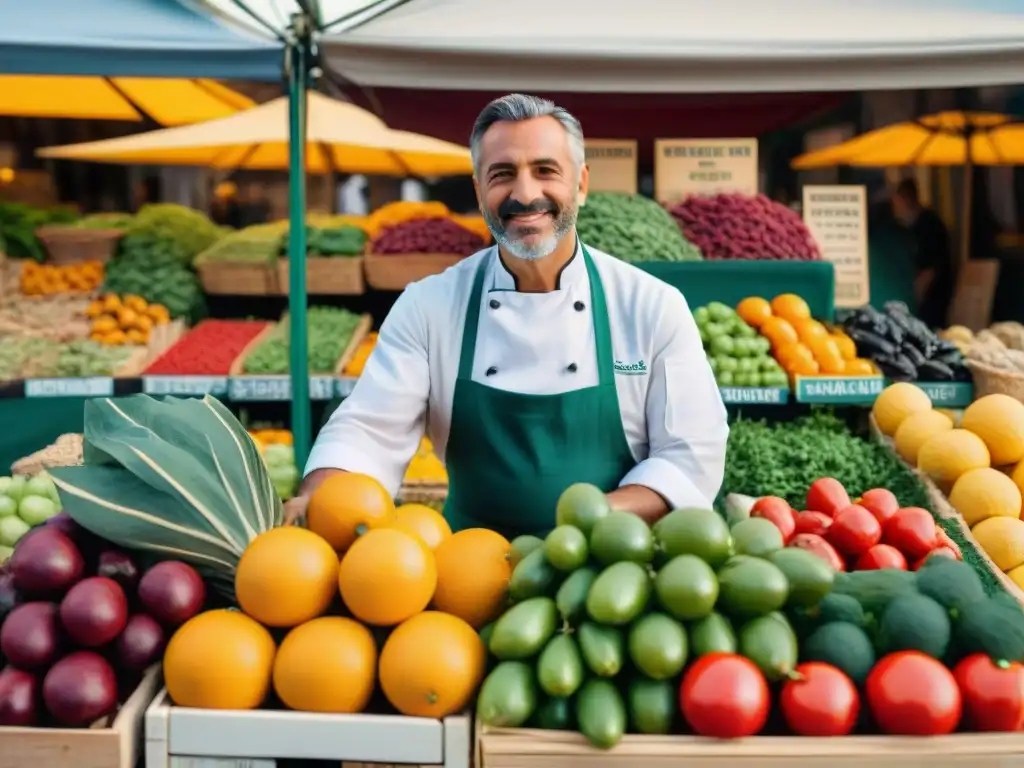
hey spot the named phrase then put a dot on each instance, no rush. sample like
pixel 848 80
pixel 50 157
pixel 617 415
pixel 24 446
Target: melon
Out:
pixel 1002 538
pixel 916 430
pixel 999 421
pixel 896 403
pixel 983 493
pixel 948 455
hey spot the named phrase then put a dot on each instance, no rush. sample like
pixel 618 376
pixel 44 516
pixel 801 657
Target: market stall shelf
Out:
pixel 69 244
pixel 118 745
pixel 327 276
pixel 258 739
pixel 239 278
pixel 394 271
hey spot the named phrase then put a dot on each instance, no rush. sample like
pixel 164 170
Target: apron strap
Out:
pixel 598 312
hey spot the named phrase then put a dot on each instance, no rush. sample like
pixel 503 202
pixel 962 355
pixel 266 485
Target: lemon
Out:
pixel 983 493
pixel 896 403
pixel 1002 538
pixel 999 421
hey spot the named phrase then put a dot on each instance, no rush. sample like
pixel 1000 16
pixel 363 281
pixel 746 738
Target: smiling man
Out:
pixel 536 363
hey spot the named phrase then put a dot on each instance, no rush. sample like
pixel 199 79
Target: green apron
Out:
pixel 510 456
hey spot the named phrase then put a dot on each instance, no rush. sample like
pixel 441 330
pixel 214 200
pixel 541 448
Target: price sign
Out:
pixel 612 165
pixel 754 395
pixel 837 217
pixel 260 388
pixel 948 394
pixel 321 387
pixel 344 386
pixel 185 386
pixel 854 390
pixel 684 167
pixel 95 386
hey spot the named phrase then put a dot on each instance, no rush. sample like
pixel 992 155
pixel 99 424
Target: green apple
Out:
pixel 36 510
pixel 11 529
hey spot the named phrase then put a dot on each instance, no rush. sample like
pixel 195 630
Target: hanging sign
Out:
pixel 612 165
pixel 684 167
pixel 837 217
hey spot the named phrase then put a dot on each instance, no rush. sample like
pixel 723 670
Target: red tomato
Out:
pixel 993 693
pixel 816 545
pixel 912 694
pixel 812 522
pixel 777 511
pixel 827 495
pixel 912 531
pixel 881 556
pixel 881 503
pixel 724 696
pixel 819 701
pixel 944 540
pixel 854 530
pixel 940 551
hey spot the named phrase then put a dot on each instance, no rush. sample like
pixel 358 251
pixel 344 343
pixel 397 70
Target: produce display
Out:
pixel 24 502
pixel 354 367
pixel 903 347
pixel 632 228
pixel 48 279
pixel 401 211
pixel 1000 347
pixel 330 331
pixel 345 240
pixel 124 319
pixel 801 344
pixel 616 627
pixel 735 226
pixel 36 357
pixel 209 349
pixel 736 353
pixel 258 243
pixel 425 468
pixel 427 236
pixel 18 225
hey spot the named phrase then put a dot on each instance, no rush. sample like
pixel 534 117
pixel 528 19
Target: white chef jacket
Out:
pixel 672 412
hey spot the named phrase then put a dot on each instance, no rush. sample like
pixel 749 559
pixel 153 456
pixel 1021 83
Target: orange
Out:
pixel 387 576
pixel 754 310
pixel 790 307
pixel 847 348
pixel 326 665
pixel 832 365
pixel 803 368
pixel 825 348
pixel 347 505
pixel 219 660
pixel 423 522
pixel 472 575
pixel 779 331
pixel 810 330
pixel 793 352
pixel 286 576
pixel 859 367
pixel 431 665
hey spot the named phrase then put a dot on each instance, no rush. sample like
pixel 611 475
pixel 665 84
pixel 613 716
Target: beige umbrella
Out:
pixel 340 137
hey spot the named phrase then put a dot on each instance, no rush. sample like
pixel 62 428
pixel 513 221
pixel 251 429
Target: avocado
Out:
pixel 620 537
pixel 810 578
pixel 534 576
pixel 566 548
pixel 839 607
pixel 700 532
pixel 524 629
pixel 769 642
pixel 657 646
pixel 751 587
pixel 571 598
pixel 712 634
pixel 686 587
pixel 619 593
pixel 508 695
pixel 601 713
pixel 581 505
pixel 914 623
pixel 757 537
pixel 521 546
pixel 844 646
pixel 951 583
pixel 554 714
pixel 994 627
pixel 603 648
pixel 560 667
pixel 652 705
pixel 874 589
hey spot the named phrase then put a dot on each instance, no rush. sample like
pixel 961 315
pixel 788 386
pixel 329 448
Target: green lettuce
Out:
pixel 178 478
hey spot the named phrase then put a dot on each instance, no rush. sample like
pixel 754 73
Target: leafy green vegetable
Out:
pixel 179 478
pixel 172 230
pixel 330 330
pixel 259 243
pixel 632 228
pixel 18 225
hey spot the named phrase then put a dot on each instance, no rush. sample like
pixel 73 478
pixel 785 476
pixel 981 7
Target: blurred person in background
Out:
pixel 932 253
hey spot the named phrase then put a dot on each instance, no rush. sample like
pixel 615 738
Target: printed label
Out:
pixel 838 389
pixel 754 395
pixel 95 386
pixel 948 394
pixel 185 386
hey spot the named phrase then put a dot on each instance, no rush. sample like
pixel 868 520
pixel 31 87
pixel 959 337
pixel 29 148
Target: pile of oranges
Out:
pixel 802 345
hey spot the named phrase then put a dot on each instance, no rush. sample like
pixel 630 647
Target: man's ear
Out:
pixel 479 197
pixel 584 187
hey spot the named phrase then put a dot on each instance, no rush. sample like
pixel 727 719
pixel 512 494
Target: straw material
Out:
pixel 69 245
pixel 989 380
pixel 67 451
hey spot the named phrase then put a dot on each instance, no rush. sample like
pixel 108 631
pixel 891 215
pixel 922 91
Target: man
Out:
pixel 933 258
pixel 536 363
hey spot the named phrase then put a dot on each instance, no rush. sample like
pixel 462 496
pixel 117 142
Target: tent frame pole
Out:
pixel 298 64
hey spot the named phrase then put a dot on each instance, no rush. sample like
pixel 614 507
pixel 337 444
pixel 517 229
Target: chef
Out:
pixel 536 363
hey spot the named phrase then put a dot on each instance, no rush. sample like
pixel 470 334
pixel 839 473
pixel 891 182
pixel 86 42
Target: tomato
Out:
pixel 854 530
pixel 777 511
pixel 881 556
pixel 812 522
pixel 940 551
pixel 944 540
pixel 993 693
pixel 817 545
pixel 881 503
pixel 912 694
pixel 819 701
pixel 827 495
pixel 724 696
pixel 912 531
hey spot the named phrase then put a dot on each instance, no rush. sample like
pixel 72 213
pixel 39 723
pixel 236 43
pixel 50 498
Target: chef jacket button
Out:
pixel 579 306
pixel 572 367
pixel 495 303
pixel 490 371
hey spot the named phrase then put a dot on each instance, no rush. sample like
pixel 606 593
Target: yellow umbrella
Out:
pixel 947 138
pixel 168 101
pixel 341 137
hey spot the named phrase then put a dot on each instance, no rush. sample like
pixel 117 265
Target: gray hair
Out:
pixel 517 107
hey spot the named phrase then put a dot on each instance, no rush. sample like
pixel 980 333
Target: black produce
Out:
pixel 903 347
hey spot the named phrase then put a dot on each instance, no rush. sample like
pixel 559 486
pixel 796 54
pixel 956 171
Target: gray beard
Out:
pixel 565 223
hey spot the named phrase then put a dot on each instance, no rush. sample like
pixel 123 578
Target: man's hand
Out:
pixel 295 510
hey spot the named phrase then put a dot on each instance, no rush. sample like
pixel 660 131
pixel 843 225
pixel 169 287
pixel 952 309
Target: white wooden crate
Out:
pixel 181 737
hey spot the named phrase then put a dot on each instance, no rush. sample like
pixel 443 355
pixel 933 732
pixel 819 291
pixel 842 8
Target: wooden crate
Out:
pixel 117 746
pixel 394 271
pixel 334 276
pixel 161 338
pixel 239 278
pixel 180 737
pixel 363 328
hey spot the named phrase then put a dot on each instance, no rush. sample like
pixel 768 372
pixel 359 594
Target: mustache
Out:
pixel 511 207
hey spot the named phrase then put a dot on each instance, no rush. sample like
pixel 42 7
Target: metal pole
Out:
pixel 299 56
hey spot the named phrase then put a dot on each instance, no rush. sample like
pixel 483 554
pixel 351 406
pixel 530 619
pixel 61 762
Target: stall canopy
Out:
pixel 134 38
pixel 656 46
pixel 166 101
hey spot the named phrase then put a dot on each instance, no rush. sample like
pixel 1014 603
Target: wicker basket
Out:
pixel 239 278
pixel 67 451
pixel 327 276
pixel 394 271
pixel 994 381
pixel 69 245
